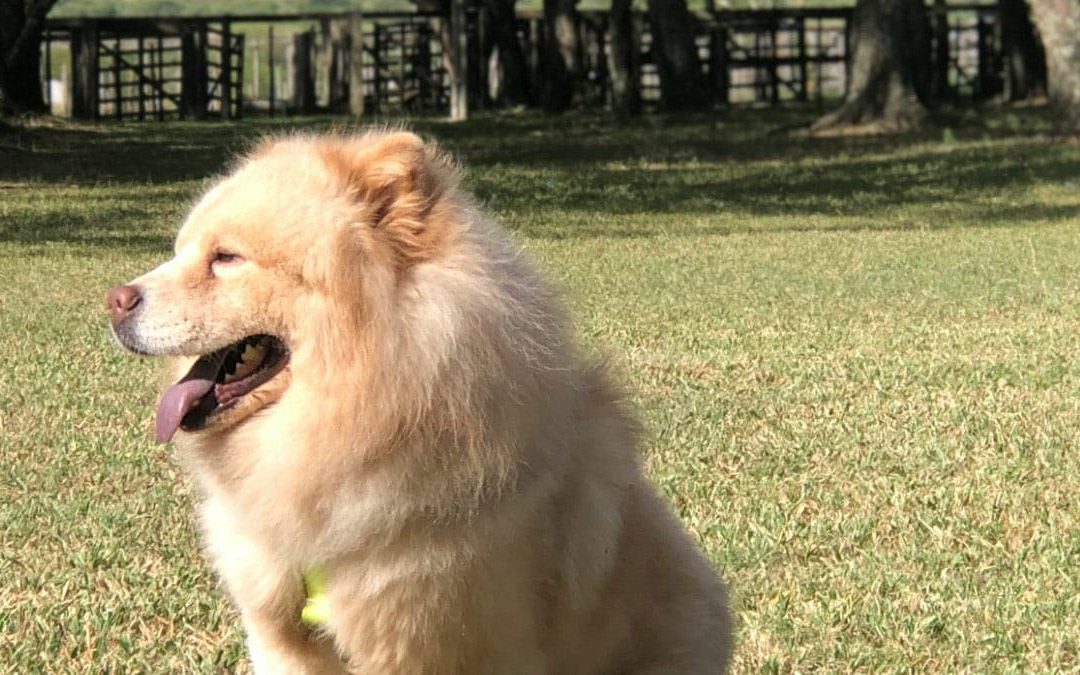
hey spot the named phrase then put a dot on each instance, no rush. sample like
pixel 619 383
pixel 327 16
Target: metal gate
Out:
pixel 225 71
pixel 139 77
pixel 155 68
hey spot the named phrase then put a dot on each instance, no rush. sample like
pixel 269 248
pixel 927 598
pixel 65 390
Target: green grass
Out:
pixel 858 361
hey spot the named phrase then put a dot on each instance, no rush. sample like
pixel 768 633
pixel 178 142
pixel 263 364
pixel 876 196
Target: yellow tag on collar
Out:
pixel 316 609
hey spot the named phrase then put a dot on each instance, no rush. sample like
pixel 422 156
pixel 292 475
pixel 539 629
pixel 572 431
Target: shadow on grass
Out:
pixel 1008 217
pixel 132 216
pixel 109 228
pixel 856 186
pixel 72 156
pixel 584 165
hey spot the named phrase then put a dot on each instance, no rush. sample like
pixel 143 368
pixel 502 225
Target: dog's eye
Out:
pixel 225 258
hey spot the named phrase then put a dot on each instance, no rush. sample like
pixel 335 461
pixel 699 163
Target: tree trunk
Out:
pixel 623 61
pixel 1025 61
pixel 1059 25
pixel 890 67
pixel 682 84
pixel 20 55
pixel 562 55
pixel 939 56
pixel 513 81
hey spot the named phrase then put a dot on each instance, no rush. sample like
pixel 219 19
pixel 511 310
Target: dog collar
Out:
pixel 316 609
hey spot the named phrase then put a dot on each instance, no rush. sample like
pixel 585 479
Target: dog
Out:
pixel 375 388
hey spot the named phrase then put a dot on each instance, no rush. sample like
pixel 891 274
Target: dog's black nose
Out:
pixel 121 301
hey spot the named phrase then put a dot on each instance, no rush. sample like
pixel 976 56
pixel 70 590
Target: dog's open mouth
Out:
pixel 217 381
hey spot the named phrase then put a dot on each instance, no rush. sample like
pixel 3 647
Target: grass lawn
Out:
pixel 858 360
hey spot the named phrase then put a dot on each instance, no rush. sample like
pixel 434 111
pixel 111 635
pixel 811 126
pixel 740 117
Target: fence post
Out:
pixel 141 77
pixel 459 47
pixel 403 63
pixel 422 63
pixel 356 63
pixel 271 84
pixel 535 68
pixel 336 35
pixel 159 100
pixel 597 50
pixel 774 75
pixel 820 93
pixel 118 104
pixel 848 57
pixel 718 63
pixel 804 84
pixel 239 98
pixel 377 68
pixel 84 57
pixel 475 64
pixel 303 85
pixel 325 55
pixel 193 78
pixel 226 70
pixel 939 80
pixel 46 42
pixel 987 72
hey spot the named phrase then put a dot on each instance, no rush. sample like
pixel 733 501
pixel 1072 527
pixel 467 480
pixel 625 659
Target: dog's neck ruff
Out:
pixel 316 611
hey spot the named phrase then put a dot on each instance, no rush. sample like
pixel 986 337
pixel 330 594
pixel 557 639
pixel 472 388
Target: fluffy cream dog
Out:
pixel 375 384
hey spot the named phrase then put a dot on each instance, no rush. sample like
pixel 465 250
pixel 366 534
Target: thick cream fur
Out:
pixel 470 484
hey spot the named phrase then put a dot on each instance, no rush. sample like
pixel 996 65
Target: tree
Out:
pixel 1058 22
pixel 513 72
pixel 561 55
pixel 623 61
pixel 21 24
pixel 682 84
pixel 889 80
pixel 1025 60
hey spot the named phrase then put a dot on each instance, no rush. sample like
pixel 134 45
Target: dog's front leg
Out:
pixel 284 650
pixel 269 592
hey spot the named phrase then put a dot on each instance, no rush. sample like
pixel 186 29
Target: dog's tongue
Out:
pixel 179 399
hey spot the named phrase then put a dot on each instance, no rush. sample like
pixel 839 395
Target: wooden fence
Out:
pixel 395 62
pixel 145 68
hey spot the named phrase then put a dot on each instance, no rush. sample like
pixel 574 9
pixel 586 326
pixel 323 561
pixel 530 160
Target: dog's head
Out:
pixel 307 234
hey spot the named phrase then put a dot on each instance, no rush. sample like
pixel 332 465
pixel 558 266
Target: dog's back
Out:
pixel 646 601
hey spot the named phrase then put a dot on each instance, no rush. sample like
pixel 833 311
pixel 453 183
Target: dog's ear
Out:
pixel 403 185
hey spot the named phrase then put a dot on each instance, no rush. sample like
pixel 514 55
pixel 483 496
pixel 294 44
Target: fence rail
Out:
pixel 394 62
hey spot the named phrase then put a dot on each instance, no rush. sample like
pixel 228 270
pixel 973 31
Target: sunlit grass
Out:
pixel 856 359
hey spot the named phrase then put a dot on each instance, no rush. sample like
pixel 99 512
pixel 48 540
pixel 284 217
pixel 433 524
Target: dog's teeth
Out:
pixel 249 360
pixel 249 352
